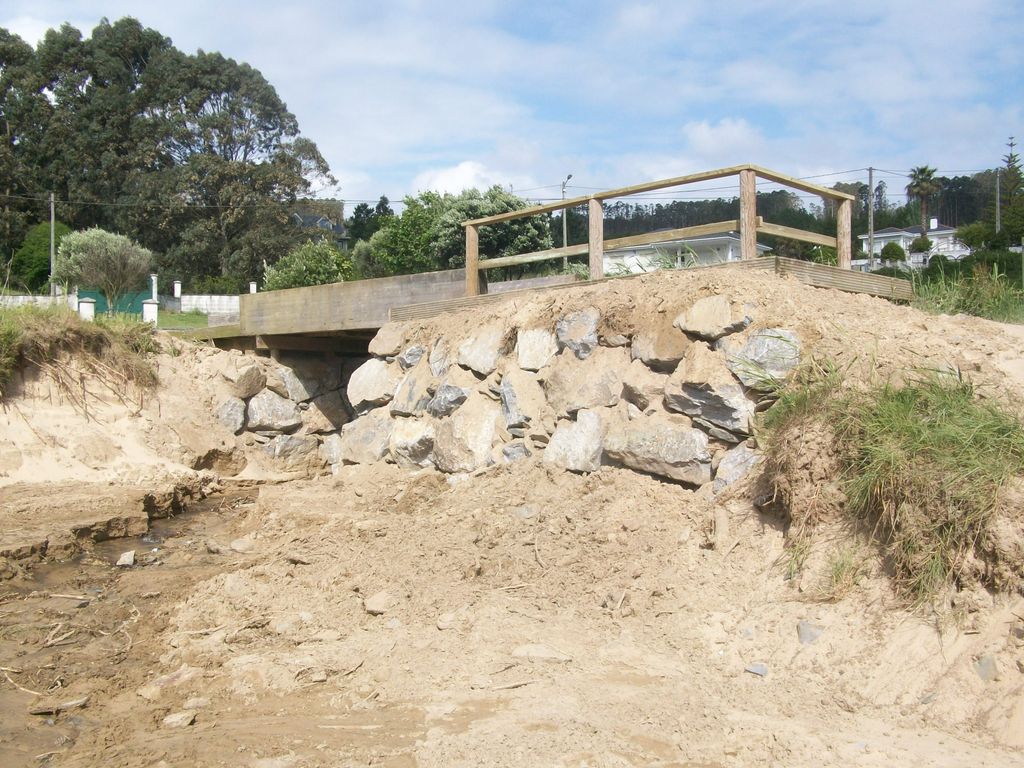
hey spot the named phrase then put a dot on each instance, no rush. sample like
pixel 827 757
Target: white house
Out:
pixel 690 251
pixel 944 243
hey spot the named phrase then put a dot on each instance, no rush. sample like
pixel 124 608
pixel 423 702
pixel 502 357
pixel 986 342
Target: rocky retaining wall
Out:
pixel 676 400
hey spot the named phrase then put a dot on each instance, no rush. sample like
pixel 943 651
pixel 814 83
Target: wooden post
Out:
pixel 595 210
pixel 843 233
pixel 472 260
pixel 748 215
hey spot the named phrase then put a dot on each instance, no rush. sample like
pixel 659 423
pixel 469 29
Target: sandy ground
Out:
pixel 518 616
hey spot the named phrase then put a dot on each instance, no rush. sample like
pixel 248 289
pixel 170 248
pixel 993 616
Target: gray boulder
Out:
pixel 577 332
pixel 439 362
pixel 411 356
pixel 326 413
pixel 660 448
pixel 734 466
pixel 713 317
pixel 366 440
pixel 371 384
pixel 330 449
pixel 534 348
pixel 480 352
pixel 295 452
pixel 250 380
pixel 702 387
pixel 594 382
pixel 577 445
pixel 641 386
pixel 660 347
pixel 268 411
pixel 305 379
pixel 231 414
pixel 515 451
pixel 522 398
pixel 767 357
pixel 446 399
pixel 463 442
pixel 412 441
pixel 413 393
pixel 389 340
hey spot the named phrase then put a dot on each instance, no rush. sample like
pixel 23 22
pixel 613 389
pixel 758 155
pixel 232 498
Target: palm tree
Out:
pixel 923 185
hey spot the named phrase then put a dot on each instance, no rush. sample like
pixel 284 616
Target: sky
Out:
pixel 404 96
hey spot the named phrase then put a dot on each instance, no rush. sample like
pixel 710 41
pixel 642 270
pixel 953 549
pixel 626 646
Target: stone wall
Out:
pixel 675 400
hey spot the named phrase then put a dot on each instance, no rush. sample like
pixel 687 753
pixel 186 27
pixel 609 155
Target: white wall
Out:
pixel 207 304
pixel 70 300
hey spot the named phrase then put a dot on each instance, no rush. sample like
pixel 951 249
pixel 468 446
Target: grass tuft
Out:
pixel 114 346
pixel 922 464
pixel 984 293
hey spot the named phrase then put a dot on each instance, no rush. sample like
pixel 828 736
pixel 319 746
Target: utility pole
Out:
pixel 53 250
pixel 999 204
pixel 565 229
pixel 871 219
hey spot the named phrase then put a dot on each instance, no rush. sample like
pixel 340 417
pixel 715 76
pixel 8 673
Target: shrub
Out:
pixel 893 252
pixel 95 258
pixel 216 285
pixel 312 263
pixel 30 267
pixel 921 245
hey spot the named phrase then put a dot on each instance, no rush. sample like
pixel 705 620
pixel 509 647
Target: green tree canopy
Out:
pixel 429 234
pixel 313 263
pixel 30 267
pixel 112 264
pixel 923 185
pixel 893 252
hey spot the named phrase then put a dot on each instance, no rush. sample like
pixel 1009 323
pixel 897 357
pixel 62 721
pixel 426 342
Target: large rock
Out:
pixel 641 386
pixel 446 399
pixel 594 382
pixel 702 387
pixel 330 449
pixel 305 379
pixel 522 398
pixel 577 332
pixel 366 440
pixel 661 448
pixel 734 466
pixel 535 347
pixel 270 411
pixel 250 380
pixel 413 393
pixel 713 317
pixel 480 352
pixel 371 384
pixel 411 356
pixel 231 414
pixel 389 340
pixel 661 346
pixel 295 452
pixel 412 441
pixel 577 445
pixel 439 362
pixel 326 413
pixel 463 442
pixel 767 357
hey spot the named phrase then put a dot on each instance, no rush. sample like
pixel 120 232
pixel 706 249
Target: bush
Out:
pixel 921 245
pixel 30 267
pixel 95 258
pixel 982 292
pixel 216 285
pixel 312 263
pixel 893 252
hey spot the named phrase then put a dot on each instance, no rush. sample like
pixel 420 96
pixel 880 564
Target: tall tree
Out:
pixel 923 185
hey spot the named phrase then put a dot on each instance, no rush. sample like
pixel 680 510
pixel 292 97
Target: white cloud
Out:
pixel 466 175
pixel 28 28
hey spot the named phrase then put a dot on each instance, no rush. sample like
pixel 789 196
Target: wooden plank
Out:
pixel 748 215
pixel 844 246
pixel 806 186
pixel 534 256
pixel 595 232
pixel 609 194
pixel 472 259
pixel 778 230
pixel 824 276
pixel 672 234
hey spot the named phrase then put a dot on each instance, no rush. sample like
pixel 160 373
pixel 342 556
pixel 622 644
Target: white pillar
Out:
pixel 252 287
pixel 150 309
pixel 87 309
pixel 152 287
pixel 177 289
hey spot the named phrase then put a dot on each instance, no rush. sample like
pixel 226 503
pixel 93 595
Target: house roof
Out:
pixel 914 231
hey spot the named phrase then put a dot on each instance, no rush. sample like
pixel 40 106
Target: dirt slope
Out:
pixel 523 615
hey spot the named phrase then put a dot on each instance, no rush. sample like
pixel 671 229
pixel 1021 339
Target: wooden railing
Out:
pixel 748 224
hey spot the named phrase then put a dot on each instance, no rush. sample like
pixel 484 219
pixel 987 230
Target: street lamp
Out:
pixel 565 259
